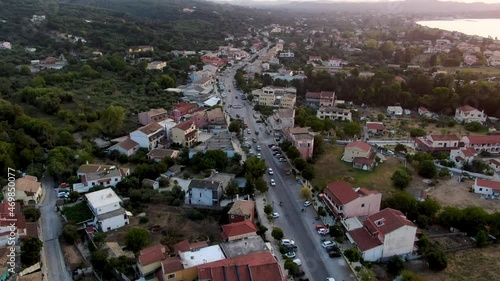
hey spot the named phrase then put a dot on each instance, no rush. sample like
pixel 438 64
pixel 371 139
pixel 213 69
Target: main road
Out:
pixel 296 225
pixel 54 264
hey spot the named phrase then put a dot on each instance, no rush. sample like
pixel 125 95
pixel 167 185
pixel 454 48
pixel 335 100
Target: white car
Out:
pixel 287 242
pixel 330 279
pixel 327 244
pixel 276 215
pixel 259 156
pixel 323 231
pixel 273 183
pixel 290 255
pixel 270 171
pixel 307 203
pixel 297 262
pixel 258 148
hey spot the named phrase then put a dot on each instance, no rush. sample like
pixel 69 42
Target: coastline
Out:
pixel 468 26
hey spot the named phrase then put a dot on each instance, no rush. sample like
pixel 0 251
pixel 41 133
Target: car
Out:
pixel 327 244
pixel 278 155
pixel 287 242
pixel 307 203
pixel 258 148
pixel 270 171
pixel 282 159
pixel 334 254
pixel 323 231
pixel 290 255
pixel 297 262
pixel 275 215
pixel 291 248
pixel 330 279
pixel 236 97
pixel 271 145
pixel 254 140
pixel 273 183
pixel 63 195
pixel 238 116
pixel 259 156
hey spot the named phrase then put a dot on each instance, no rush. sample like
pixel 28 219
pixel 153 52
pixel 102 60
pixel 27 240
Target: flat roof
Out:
pixel 102 197
pixel 243 247
pixel 201 256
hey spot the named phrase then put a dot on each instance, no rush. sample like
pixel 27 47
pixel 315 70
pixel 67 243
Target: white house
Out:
pixel 334 113
pixel 287 54
pixel 127 147
pixel 461 156
pixel 495 164
pixel 107 210
pixel 92 175
pixel 334 62
pixel 422 111
pixel 486 187
pixel 205 192
pixel 148 136
pixel 5 45
pixel 467 114
pixel 395 110
pixel 489 143
pixel 383 235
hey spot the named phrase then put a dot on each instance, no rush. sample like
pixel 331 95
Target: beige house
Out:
pixel 156 65
pixel 276 96
pixel 334 113
pixel 153 115
pixel 302 138
pixel 467 114
pixel 238 230
pixel 281 119
pixel 287 101
pixel 185 133
pixel 28 189
pixel 360 154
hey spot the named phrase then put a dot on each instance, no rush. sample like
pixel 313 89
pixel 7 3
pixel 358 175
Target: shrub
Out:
pixel 395 265
pixel 352 254
pixel 277 233
pixel 194 215
pixel 436 259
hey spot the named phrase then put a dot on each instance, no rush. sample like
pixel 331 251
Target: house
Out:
pixel 383 235
pixel 182 109
pixel 116 251
pixel 437 143
pixel 375 128
pixel 276 96
pixel 238 230
pixel 486 187
pixel 204 82
pixel 107 210
pixel 286 101
pixel 127 147
pixel 283 118
pixel 201 255
pixel 158 154
pixel 322 98
pixel 27 189
pixel 334 62
pixel 395 110
pixel 495 164
pixel 302 139
pixel 424 112
pixel 256 266
pixel 467 114
pixel 314 59
pixel 205 192
pixel 242 210
pixel 287 54
pixel 150 259
pixel 156 65
pixel 185 133
pixel 92 175
pixel 213 120
pixel 149 136
pixel 489 143
pixel 334 113
pixel 173 270
pixel 152 183
pixel 153 115
pixel 345 201
pixel 246 246
pixel 221 141
pixel 361 155
pixel 11 215
pixel 185 246
pixel 463 155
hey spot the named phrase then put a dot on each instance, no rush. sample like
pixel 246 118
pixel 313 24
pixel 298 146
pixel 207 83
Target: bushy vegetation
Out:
pixel 78 213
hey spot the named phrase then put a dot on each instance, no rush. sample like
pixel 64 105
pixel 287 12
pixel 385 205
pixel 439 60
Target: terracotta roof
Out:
pixel 185 246
pixel 359 144
pixel 152 254
pixel 184 107
pixel 495 161
pixel 6 219
pixel 365 160
pixel 363 239
pixel 242 208
pixel 341 192
pixel 324 94
pixel 375 126
pixel 466 108
pixel 28 184
pixel 483 139
pixel 313 95
pixel 469 152
pixel 150 128
pixel 184 125
pixel 444 138
pixel 260 266
pixel 423 109
pixel 127 144
pixel 487 183
pixel 238 228
pixel 386 221
pixel 171 265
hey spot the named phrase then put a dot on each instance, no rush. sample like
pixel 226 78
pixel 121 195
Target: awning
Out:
pixel 211 101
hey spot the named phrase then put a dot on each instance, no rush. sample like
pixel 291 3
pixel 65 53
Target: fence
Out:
pixel 460 171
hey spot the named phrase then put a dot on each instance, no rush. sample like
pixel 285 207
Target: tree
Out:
pixel 255 167
pixel 436 259
pixel 404 202
pixel 400 148
pixel 308 173
pixel 352 129
pixel 352 254
pixel 268 209
pixel 481 239
pixel 410 276
pixel 30 251
pixel 112 119
pixel 305 193
pixel 293 152
pixel 167 82
pixel 401 178
pixel 430 207
pixel 100 259
pixel 31 214
pixel 219 157
pixel 232 190
pixel 70 233
pixel 395 265
pixel 371 44
pixel 300 164
pixel 474 219
pixel 293 268
pixel 136 239
pixel 367 275
pixel 416 132
pixel 450 217
pixel 319 145
pixel 277 233
pixel 261 185
pixel 235 127
pixel 380 117
pixel 427 169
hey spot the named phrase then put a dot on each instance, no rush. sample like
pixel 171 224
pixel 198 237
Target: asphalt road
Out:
pixel 296 225
pixel 55 265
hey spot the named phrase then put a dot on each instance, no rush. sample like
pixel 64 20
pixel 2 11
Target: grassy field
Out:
pixel 330 168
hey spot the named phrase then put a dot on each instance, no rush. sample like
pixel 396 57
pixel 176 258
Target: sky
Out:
pixel 465 1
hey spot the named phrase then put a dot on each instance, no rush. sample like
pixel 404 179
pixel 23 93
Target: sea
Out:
pixel 481 27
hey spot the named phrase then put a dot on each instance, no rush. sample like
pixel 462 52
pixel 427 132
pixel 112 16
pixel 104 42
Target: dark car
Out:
pixel 334 254
pixel 333 248
pixel 291 248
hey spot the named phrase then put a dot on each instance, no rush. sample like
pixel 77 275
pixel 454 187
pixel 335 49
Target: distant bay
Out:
pixel 480 27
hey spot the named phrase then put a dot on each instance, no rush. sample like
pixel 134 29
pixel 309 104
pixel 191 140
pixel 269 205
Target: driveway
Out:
pixel 54 264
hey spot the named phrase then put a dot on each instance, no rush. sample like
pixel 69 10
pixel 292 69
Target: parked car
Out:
pixel 330 279
pixel 282 159
pixel 307 203
pixel 287 242
pixel 291 248
pixel 323 231
pixel 327 244
pixel 270 171
pixel 273 183
pixel 276 215
pixel 298 262
pixel 334 254
pixel 258 148
pixel 259 156
pixel 290 255
pixel 248 131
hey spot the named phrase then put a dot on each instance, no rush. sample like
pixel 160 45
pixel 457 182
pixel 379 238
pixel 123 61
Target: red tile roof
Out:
pixel 313 95
pixel 260 266
pixel 150 128
pixel 495 161
pixel 375 126
pixel 466 108
pixel 444 138
pixel 184 125
pixel 341 192
pixel 386 221
pixel 32 229
pixel 487 183
pixel 363 239
pixel 237 229
pixel 171 265
pixel 469 152
pixel 128 144
pixel 184 246
pixel 6 219
pixel 152 254
pixel 185 107
pixel 359 144
pixel 483 139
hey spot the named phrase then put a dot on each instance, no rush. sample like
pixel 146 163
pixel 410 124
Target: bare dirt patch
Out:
pixel 72 256
pixel 456 194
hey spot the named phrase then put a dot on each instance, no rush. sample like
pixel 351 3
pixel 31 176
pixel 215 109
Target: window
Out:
pixel 232 216
pixel 200 194
pixel 171 276
pixel 480 189
pixel 116 179
pixel 362 205
pixel 93 183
